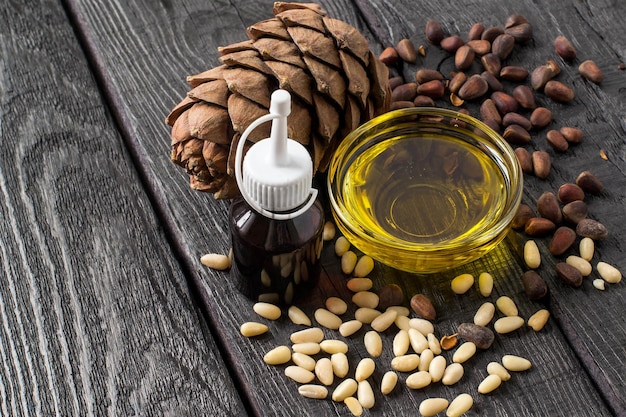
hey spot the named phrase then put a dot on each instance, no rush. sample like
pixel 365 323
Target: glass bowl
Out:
pixel 424 189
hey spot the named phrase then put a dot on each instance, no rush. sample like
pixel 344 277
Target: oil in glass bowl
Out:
pixel 424 189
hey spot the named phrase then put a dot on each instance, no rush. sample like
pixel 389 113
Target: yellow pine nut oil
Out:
pixel 424 189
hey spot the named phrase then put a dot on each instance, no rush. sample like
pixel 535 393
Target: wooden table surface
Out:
pixel 105 308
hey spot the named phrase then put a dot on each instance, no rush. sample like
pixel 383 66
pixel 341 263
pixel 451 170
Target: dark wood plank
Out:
pixel 97 317
pixel 175 41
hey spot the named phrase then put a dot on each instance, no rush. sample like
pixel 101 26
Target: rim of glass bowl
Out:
pixel 352 142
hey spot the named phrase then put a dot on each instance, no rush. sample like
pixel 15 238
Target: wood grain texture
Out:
pixel 96 315
pixel 144 50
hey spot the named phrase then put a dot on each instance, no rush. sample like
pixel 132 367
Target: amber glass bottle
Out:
pixel 275 260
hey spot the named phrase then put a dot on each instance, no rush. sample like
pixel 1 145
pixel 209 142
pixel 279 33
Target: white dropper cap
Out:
pixel 277 171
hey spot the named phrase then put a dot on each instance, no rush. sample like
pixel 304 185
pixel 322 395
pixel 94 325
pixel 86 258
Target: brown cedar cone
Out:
pixel 335 81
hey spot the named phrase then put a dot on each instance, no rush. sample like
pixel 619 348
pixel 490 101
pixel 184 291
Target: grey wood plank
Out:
pixel 96 315
pixel 182 40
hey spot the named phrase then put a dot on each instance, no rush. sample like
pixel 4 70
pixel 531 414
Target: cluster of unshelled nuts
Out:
pixel 515 113
pixel 563 218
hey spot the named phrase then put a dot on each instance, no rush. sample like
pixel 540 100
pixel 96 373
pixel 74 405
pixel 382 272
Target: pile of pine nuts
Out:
pixel 317 362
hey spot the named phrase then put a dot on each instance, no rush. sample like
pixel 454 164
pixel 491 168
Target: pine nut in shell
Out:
pixel 345 389
pixel 452 374
pixel 365 394
pixel 297 316
pixel 216 261
pixel 508 324
pixel 481 336
pixel 312 334
pixel 534 286
pixel 489 384
pixel 278 356
pixel 299 374
pixel 485 284
pixel 496 368
pixel 313 391
pixel 350 327
pixel 609 273
pixel 388 383
pixel 516 363
pixel 251 329
pixel 418 380
pixel 538 320
pixel 267 310
pixel 423 307
pixel 373 343
pixel 432 406
pixel 391 295
pixel 464 352
pixel 569 274
pixel 460 405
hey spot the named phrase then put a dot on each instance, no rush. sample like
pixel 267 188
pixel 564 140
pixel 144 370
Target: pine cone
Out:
pixel 335 80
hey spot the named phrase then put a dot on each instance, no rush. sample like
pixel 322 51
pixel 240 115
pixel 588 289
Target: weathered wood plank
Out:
pixel 183 41
pixel 96 315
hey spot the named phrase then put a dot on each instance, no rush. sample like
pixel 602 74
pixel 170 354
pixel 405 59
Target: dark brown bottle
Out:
pixel 276 226
pixel 275 260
